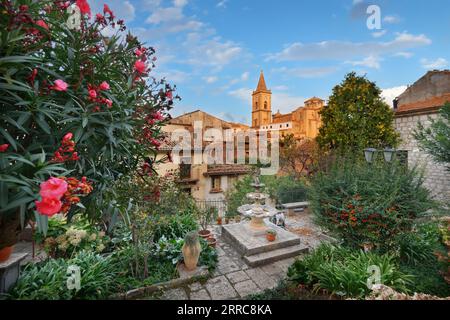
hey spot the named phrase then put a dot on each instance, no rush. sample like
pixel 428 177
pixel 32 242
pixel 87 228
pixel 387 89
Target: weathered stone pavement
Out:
pixel 233 279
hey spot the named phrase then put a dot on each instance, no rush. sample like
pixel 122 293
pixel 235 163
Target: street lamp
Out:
pixel 388 154
pixel 369 154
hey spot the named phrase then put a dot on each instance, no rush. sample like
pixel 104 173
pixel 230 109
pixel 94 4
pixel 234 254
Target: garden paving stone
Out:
pixel 220 288
pixel 200 295
pixel 174 294
pixel 195 286
pixel 237 276
pixel 262 279
pixel 272 269
pixel 246 288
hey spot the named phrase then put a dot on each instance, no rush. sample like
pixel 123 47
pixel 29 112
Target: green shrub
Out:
pixel 368 203
pixel 173 226
pixel 344 272
pixel 419 245
pixel 47 280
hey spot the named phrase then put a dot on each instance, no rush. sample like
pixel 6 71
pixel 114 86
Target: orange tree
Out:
pixel 75 104
pixel 357 117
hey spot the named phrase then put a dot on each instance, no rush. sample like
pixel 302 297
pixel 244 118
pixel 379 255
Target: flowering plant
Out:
pixel 369 205
pixel 75 240
pixel 65 83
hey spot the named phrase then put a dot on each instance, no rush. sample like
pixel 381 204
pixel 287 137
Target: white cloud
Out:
pixel 379 34
pixel 369 62
pixel 307 73
pixel 391 19
pixel 439 63
pixel 165 15
pixel 222 4
pixel 403 54
pixel 211 79
pixel 280 100
pixel 210 52
pixel 390 94
pixel 172 76
pixel 180 3
pixel 245 76
pixel 339 50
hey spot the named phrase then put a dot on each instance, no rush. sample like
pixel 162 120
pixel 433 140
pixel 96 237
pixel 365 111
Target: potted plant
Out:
pixel 206 216
pixel 9 234
pixel 219 220
pixel 212 241
pixel 271 235
pixel 191 250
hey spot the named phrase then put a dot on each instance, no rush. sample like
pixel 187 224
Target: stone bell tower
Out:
pixel 261 104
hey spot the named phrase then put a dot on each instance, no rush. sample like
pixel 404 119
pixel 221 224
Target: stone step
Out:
pixel 263 258
pixel 240 237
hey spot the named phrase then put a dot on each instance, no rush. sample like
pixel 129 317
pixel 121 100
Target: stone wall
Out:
pixel 437 178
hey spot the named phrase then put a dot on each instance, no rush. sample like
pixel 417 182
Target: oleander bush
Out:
pixel 70 84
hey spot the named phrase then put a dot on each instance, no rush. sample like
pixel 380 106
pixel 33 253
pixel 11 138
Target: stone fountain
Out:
pixel 249 237
pixel 258 210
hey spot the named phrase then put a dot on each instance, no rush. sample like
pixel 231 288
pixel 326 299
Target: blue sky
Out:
pixel 213 50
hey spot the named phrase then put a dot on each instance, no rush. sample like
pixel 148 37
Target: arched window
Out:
pixel 265 104
pixel 256 104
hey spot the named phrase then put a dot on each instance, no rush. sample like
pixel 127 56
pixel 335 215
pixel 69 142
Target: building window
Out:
pixel 402 156
pixel 215 185
pixel 281 126
pixel 256 105
pixel 185 171
pixel 270 127
pixel 287 125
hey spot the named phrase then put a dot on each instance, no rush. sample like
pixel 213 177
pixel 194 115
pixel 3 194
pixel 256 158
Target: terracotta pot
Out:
pixel 219 221
pixel 271 237
pixel 5 253
pixel 212 242
pixel 227 220
pixel 205 234
pixel 191 254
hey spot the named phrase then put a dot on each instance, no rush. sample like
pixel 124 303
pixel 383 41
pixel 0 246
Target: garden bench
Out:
pixel 294 207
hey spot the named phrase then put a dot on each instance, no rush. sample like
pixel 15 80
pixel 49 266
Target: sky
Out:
pixel 214 50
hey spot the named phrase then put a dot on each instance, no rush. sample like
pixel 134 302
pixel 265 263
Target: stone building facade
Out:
pixel 420 103
pixel 204 182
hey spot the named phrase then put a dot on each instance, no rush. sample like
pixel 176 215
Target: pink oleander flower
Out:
pixel 169 95
pixel 48 206
pixel 60 85
pixel 158 116
pixel 104 86
pixel 4 147
pixel 92 93
pixel 53 188
pixel 108 102
pixel 41 23
pixel 138 52
pixel 84 7
pixel 140 66
pixel 68 136
pixel 106 10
